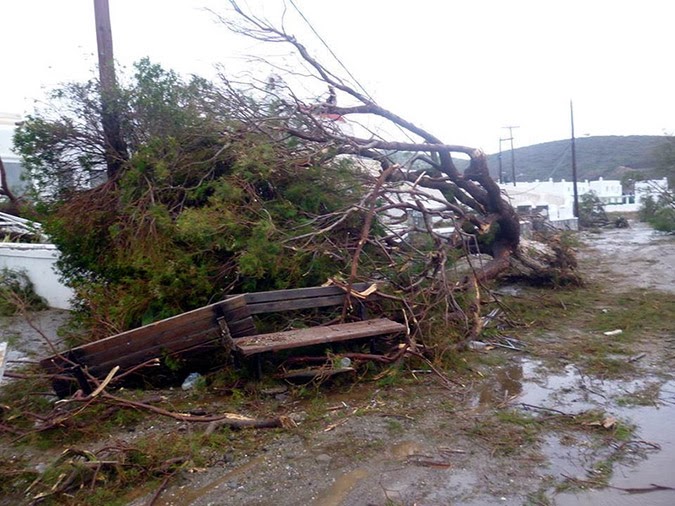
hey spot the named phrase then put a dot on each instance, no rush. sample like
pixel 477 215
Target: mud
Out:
pixel 637 257
pixel 28 341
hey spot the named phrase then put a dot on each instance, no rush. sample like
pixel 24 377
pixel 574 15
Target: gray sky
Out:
pixel 462 69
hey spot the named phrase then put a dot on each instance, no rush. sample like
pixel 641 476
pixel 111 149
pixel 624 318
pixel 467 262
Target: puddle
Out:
pixel 526 384
pixel 405 449
pixel 655 424
pixel 342 486
pixel 186 495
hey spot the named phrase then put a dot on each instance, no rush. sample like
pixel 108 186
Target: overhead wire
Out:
pixel 356 81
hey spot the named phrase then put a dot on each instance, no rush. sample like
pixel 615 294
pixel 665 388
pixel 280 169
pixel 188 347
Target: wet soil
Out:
pixel 513 428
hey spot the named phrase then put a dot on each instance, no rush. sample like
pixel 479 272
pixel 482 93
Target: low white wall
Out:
pixel 38 260
pixel 568 224
pixel 622 208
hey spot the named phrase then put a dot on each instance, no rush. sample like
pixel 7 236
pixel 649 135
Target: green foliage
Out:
pixel 201 208
pixel 16 291
pixel 659 212
pixel 591 211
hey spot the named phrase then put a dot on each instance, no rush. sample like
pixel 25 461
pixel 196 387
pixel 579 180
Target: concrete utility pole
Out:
pixel 513 156
pixel 115 147
pixel 575 209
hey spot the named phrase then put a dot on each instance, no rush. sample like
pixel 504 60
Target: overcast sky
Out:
pixel 462 69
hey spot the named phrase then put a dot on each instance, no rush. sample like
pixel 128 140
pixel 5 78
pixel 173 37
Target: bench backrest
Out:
pixel 298 298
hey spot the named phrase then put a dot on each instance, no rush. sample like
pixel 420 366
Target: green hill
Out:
pixel 609 157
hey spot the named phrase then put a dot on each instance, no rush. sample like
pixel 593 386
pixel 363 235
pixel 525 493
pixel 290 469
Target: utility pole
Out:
pixel 501 166
pixel 575 209
pixel 115 147
pixel 501 171
pixel 513 156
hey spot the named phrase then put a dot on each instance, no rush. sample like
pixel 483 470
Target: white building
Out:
pixel 9 158
pixel 555 199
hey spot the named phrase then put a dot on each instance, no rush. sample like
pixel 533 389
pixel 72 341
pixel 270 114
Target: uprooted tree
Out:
pixel 418 184
pixel 237 188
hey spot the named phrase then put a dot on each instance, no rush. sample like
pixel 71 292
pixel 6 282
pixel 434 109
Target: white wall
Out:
pixel 38 260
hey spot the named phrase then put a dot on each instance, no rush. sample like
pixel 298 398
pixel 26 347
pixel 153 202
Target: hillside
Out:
pixel 602 156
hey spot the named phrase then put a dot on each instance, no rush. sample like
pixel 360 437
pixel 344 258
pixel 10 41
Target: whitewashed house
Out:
pixel 555 199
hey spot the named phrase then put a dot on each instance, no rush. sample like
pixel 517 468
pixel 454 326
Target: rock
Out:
pixel 323 458
pixel 298 417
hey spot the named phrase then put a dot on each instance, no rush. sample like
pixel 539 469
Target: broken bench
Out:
pixel 224 326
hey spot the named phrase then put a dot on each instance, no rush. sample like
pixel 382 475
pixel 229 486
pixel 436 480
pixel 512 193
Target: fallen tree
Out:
pixel 417 188
pixel 250 187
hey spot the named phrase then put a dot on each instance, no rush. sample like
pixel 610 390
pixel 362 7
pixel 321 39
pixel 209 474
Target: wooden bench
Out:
pixel 307 298
pixel 221 327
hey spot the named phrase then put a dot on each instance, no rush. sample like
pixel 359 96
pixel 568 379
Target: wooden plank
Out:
pixel 138 345
pixel 298 298
pixel 300 293
pixel 207 337
pixel 198 318
pixel 293 304
pixel 241 328
pixel 276 341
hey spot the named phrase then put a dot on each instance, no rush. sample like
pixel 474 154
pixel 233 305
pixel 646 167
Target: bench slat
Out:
pixel 298 298
pixel 135 346
pixel 276 341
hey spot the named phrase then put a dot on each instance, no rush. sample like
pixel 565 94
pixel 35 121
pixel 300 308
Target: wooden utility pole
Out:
pixel 513 156
pixel 115 147
pixel 575 209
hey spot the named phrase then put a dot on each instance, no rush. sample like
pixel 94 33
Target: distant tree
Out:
pixel 659 212
pixel 665 154
pixel 13 202
pixel 592 211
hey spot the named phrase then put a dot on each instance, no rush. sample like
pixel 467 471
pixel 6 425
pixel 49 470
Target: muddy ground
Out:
pixel 571 417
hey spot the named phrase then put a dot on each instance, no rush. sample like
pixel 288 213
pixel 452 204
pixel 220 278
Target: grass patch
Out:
pixel 645 396
pixel 570 323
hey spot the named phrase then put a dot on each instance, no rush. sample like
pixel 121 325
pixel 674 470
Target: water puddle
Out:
pixel 186 495
pixel 524 384
pixel 342 486
pixel 405 449
pixel 647 257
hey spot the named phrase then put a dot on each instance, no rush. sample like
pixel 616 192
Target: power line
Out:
pixel 356 81
pixel 329 49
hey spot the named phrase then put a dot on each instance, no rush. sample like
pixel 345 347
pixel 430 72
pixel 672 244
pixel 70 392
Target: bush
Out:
pixel 660 212
pixel 17 292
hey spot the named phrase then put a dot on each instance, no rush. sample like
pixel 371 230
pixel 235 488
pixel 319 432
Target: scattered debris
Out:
pixel 3 359
pixel 610 333
pixel 191 381
pixel 636 358
pixel 316 373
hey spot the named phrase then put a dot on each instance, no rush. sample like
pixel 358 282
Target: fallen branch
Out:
pixel 653 487
pixel 231 419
